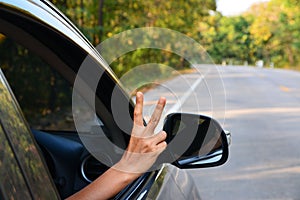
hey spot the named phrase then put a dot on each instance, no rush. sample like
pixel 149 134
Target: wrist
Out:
pixel 124 171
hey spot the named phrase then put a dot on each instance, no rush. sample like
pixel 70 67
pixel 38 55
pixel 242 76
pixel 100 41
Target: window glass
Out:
pixel 12 182
pixel 44 96
pixel 17 136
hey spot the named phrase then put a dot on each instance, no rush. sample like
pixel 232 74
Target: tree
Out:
pixel 276 30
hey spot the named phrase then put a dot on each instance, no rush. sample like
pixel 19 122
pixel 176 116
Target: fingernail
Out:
pixel 162 100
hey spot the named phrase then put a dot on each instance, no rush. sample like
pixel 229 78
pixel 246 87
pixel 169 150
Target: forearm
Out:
pixel 106 186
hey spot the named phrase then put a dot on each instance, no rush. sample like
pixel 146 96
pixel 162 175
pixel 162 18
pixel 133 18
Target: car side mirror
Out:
pixel 195 141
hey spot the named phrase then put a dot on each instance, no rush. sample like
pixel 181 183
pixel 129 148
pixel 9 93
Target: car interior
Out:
pixel 71 166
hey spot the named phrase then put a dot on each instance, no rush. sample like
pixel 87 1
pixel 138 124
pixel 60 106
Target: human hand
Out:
pixel 144 146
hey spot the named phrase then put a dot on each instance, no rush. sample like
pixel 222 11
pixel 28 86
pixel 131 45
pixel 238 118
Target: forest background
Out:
pixel 268 31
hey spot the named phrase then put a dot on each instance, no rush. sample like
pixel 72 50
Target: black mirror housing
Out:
pixel 195 141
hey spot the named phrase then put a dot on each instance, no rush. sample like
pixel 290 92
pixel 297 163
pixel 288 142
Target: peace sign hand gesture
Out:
pixel 144 145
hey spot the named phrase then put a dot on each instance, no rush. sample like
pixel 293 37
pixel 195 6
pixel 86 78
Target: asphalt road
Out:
pixel 261 108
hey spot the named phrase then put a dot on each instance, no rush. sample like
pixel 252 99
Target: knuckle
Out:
pixel 147 144
pixel 153 120
pixel 163 134
pixel 150 146
pixel 160 106
pixel 152 149
pixel 136 113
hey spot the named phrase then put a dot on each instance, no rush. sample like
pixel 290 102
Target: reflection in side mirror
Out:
pixel 195 141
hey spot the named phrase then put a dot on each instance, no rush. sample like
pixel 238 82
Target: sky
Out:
pixel 234 7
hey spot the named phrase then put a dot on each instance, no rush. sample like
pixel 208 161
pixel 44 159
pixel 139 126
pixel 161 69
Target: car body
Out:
pixel 37 161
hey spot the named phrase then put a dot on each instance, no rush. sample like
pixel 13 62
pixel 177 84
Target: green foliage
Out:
pixel 275 31
pixel 143 56
pixel 101 19
pixel 227 39
pixel 269 31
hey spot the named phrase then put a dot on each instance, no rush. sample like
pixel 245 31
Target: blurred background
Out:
pixel 260 33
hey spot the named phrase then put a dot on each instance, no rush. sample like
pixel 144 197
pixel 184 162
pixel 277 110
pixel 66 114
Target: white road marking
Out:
pixel 176 107
pixel 186 95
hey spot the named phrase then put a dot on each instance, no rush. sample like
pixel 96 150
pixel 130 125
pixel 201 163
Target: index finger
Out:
pixel 156 114
pixel 138 110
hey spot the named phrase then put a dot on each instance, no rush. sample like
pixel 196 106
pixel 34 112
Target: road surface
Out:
pixel 261 108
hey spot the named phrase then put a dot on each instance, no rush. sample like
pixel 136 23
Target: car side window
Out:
pixel 44 96
pixel 21 166
pixel 10 173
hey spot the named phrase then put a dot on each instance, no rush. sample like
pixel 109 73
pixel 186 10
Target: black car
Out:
pixel 42 156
